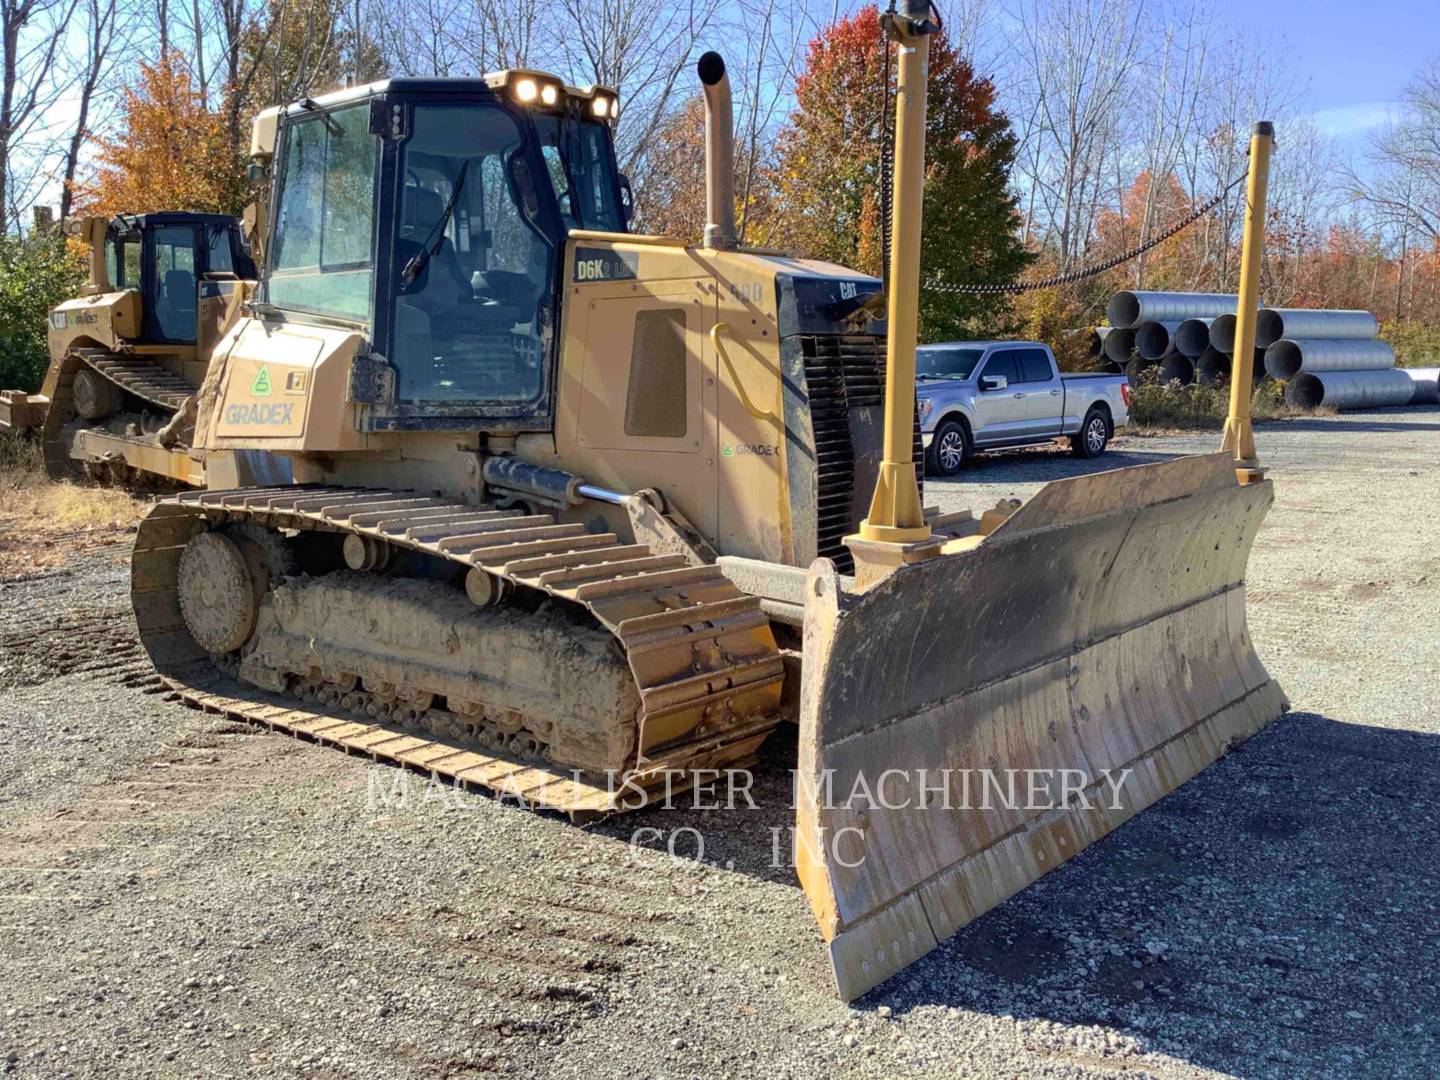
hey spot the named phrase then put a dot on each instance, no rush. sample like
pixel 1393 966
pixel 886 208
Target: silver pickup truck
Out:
pixel 985 395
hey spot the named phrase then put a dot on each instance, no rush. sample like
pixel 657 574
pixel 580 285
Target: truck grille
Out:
pixel 845 377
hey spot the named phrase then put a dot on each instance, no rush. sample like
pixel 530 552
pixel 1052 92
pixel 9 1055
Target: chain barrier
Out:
pixel 887 181
pixel 1084 272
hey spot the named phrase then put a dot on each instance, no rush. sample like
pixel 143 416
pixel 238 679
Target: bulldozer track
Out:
pixel 659 608
pixel 144 378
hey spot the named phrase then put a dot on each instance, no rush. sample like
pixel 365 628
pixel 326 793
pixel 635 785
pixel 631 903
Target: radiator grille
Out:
pixel 844 373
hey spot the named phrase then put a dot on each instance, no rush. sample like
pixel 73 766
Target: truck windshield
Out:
pixel 946 362
pixel 472 268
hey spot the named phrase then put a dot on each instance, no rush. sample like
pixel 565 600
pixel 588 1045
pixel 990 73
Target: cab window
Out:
pixel 175 285
pixel 472 268
pixel 325 217
pixel 1003 364
pixel 582 172
pixel 1034 366
pixel 220 260
pixel 122 261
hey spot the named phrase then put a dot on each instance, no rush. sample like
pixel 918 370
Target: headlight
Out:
pixel 549 94
pixel 926 405
pixel 527 90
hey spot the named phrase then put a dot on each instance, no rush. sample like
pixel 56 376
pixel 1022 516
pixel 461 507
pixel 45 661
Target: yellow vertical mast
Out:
pixel 896 516
pixel 1239 436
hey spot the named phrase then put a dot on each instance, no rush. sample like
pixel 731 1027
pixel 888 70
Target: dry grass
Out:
pixel 1159 408
pixel 44 524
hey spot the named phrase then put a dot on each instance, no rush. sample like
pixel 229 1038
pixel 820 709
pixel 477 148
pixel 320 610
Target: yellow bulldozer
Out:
pixel 577 511
pixel 128 355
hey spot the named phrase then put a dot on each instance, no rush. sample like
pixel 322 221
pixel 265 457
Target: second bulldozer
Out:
pixel 129 353
pixel 578 509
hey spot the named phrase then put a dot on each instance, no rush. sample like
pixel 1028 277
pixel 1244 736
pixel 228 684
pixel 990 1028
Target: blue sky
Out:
pixel 1354 57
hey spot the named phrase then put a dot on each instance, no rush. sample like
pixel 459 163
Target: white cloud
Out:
pixel 1355 119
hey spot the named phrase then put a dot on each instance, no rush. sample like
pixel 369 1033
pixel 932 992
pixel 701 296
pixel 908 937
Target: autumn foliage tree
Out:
pixel 170 152
pixel 827 179
pixel 672 189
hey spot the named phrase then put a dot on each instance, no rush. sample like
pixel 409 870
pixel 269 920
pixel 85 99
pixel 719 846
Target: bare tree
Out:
pixel 1403 185
pixel 640 51
pixel 1075 61
pixel 431 37
pixel 31 32
pixel 100 36
pixel 1171 95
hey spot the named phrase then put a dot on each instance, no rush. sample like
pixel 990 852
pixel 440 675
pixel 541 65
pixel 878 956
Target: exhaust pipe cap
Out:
pixel 711 68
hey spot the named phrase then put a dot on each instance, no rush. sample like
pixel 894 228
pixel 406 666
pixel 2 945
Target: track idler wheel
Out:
pixel 365 552
pixel 95 397
pixel 219 599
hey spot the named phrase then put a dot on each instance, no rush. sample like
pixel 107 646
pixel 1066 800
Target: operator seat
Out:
pixel 442 284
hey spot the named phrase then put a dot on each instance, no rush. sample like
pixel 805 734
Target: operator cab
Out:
pixel 431 215
pixel 172 259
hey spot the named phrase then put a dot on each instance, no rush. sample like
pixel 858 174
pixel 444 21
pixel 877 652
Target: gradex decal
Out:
pixel 750 450
pixel 260 414
pixel 261 386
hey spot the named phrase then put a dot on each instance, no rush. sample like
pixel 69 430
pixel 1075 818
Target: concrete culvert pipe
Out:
pixel 1286 358
pixel 1177 367
pixel 1192 337
pixel 1276 323
pixel 1130 309
pixel 1119 344
pixel 1427 384
pixel 1350 389
pixel 1152 339
pixel 1213 367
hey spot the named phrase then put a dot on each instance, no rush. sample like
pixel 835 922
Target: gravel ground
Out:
pixel 181 896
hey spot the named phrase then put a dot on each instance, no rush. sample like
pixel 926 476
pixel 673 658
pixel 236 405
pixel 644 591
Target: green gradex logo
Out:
pixel 261 386
pixel 729 451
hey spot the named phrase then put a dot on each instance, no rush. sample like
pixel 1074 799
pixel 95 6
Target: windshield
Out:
pixel 947 362
pixel 582 170
pixel 472 268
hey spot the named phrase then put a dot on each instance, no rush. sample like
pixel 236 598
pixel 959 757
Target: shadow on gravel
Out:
pixel 1348 423
pixel 1277 916
pixel 1040 466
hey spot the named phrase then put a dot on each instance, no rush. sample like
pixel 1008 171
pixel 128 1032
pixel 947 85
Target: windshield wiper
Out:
pixel 331 124
pixel 436 239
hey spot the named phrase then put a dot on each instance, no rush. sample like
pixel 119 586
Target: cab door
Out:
pixel 1004 411
pixel 1044 392
pixel 172 284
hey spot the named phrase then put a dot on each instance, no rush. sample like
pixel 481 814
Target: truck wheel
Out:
pixel 949 449
pixel 1094 435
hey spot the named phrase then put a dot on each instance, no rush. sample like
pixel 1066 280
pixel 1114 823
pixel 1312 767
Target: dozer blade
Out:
pixel 1094 645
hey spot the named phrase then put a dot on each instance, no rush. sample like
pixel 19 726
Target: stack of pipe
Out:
pixel 1325 357
pixel 1168 329
pixel 1334 358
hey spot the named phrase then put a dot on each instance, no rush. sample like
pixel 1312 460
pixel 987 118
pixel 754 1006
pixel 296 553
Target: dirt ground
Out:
pixel 180 896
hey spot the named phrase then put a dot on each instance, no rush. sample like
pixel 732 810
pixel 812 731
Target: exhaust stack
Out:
pixel 719 153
